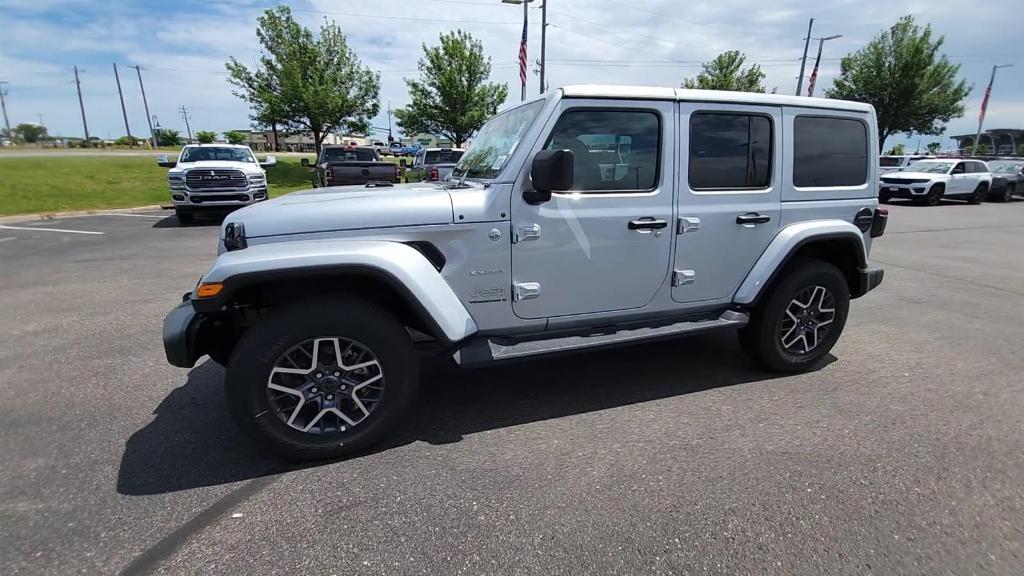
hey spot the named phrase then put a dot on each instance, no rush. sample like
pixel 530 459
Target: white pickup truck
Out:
pixel 215 176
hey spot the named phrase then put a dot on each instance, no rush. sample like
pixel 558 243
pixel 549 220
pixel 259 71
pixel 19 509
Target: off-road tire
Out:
pixel 185 217
pixel 762 337
pixel 262 346
pixel 979 194
pixel 884 198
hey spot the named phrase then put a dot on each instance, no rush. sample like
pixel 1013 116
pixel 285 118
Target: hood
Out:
pixel 347 208
pixel 914 175
pixel 247 167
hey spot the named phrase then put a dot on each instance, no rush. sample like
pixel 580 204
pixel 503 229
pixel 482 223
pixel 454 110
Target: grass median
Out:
pixel 38 184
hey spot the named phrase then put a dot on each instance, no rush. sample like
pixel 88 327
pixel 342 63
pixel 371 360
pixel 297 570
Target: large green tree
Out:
pixel 167 137
pixel 30 132
pixel 206 136
pixel 726 72
pixel 452 97
pixel 315 83
pixel 934 147
pixel 914 89
pixel 235 136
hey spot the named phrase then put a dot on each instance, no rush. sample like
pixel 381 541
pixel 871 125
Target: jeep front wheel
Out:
pixel 322 380
pixel 799 321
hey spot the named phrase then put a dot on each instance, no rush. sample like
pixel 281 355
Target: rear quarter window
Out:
pixel 829 151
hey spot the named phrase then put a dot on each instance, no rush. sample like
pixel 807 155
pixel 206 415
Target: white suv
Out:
pixel 929 181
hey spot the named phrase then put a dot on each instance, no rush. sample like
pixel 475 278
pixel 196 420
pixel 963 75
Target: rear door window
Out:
pixel 730 151
pixel 829 151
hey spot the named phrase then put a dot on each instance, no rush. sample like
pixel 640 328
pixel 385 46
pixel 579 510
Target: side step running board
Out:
pixel 482 350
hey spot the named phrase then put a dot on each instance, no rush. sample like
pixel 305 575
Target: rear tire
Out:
pixel 1007 193
pixel 185 216
pixel 884 198
pixel 979 194
pixel 800 319
pixel 341 413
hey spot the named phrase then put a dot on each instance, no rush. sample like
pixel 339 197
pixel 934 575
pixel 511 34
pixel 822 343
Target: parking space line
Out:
pixel 51 230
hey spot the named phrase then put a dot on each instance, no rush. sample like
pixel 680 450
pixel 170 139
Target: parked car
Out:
pixel 720 211
pixel 382 148
pixel 208 177
pixel 433 164
pixel 409 151
pixel 344 165
pixel 890 163
pixel 1007 179
pixel 929 181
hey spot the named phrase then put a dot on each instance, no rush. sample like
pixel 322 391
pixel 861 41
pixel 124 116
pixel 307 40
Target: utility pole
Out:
pixel 81 105
pixel 984 107
pixel 543 43
pixel 124 112
pixel 152 133
pixel 803 61
pixel 3 104
pixel 390 138
pixel 185 116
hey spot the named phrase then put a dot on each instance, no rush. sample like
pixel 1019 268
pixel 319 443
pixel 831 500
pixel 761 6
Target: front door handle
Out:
pixel 753 218
pixel 647 224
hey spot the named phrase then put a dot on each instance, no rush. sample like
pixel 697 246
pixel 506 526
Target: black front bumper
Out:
pixel 180 329
pixel 867 280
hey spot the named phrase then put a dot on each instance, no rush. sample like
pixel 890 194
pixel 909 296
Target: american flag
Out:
pixel 522 57
pixel 810 83
pixel 984 103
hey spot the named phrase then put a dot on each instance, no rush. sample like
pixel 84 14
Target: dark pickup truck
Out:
pixel 345 165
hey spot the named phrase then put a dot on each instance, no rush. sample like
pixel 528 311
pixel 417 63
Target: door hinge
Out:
pixel 683 277
pixel 526 232
pixel 688 224
pixel 525 291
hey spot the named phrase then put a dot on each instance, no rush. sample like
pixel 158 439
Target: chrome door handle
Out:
pixel 753 218
pixel 647 224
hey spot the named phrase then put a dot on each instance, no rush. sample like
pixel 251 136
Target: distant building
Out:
pixel 1000 141
pixel 263 141
pixel 427 141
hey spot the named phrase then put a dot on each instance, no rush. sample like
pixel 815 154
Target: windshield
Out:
pixel 1004 167
pixel 207 153
pixel 349 154
pixel 930 167
pixel 496 142
pixel 442 156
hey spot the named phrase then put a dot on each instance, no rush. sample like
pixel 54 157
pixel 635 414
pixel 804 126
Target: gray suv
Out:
pixel 591 217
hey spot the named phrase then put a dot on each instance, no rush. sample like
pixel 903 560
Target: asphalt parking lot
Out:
pixel 904 454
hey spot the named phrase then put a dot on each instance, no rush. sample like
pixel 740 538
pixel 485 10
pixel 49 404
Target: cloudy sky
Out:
pixel 183 45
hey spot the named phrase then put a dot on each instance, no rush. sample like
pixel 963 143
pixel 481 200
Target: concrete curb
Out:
pixel 75 213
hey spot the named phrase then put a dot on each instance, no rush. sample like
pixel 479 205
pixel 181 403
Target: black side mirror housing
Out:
pixel 304 162
pixel 552 171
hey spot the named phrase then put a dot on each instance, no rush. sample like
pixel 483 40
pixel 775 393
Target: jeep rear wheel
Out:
pixel 322 380
pixel 800 319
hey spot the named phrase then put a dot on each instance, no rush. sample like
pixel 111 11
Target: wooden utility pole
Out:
pixel 81 105
pixel 124 112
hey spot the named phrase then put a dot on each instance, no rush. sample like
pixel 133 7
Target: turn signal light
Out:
pixel 207 290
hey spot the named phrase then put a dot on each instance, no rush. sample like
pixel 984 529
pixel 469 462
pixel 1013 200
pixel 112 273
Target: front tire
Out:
pixel 979 194
pixel 935 195
pixel 185 216
pixel 323 379
pixel 800 319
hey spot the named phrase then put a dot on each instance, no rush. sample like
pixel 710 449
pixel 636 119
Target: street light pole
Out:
pixel 984 107
pixel 543 43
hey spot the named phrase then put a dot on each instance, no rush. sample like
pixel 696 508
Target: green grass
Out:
pixel 39 184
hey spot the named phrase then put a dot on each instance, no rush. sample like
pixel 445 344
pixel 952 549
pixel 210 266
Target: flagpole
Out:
pixel 984 107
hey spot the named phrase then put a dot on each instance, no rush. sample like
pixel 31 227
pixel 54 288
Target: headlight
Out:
pixel 175 177
pixel 257 177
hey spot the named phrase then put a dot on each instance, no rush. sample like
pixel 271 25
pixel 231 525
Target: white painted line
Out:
pixel 7 238
pixel 50 230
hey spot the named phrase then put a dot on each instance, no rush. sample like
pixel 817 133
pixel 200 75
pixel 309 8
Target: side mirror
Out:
pixel 270 161
pixel 552 170
pixel 163 162
pixel 403 163
pixel 304 162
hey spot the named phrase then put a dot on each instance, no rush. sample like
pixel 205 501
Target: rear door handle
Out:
pixel 753 218
pixel 647 224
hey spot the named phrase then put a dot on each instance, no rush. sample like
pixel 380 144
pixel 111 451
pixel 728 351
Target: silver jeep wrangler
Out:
pixel 593 216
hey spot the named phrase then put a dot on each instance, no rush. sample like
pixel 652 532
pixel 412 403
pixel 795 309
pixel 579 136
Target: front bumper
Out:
pixel 182 196
pixel 181 327
pixel 867 280
pixel 909 191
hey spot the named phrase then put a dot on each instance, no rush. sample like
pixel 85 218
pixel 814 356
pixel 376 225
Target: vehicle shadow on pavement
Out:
pixel 200 221
pixel 192 441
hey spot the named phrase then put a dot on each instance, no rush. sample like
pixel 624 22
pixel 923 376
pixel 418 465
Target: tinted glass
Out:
pixel 979 167
pixel 443 156
pixel 889 161
pixel 350 154
pixel 612 150
pixel 829 152
pixel 730 151
pixel 960 168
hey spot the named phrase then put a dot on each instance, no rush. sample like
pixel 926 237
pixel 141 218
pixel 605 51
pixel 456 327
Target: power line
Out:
pixel 373 16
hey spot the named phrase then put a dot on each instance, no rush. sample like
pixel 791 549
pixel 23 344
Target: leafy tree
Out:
pixel 31 133
pixel 1020 150
pixel 900 72
pixel 452 96
pixel 726 72
pixel 127 141
pixel 235 136
pixel 318 84
pixel 898 150
pixel 934 147
pixel 167 137
pixel 205 136
pixel 983 149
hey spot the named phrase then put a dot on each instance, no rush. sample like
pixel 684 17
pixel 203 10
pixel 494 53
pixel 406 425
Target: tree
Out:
pixel 167 137
pixel 983 149
pixel 318 84
pixel 1020 150
pixel 452 96
pixel 900 72
pixel 934 147
pixel 897 150
pixel 235 136
pixel 127 141
pixel 31 133
pixel 205 136
pixel 726 72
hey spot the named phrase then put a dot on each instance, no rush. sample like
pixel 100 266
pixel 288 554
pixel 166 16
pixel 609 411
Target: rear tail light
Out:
pixel 433 174
pixel 879 221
